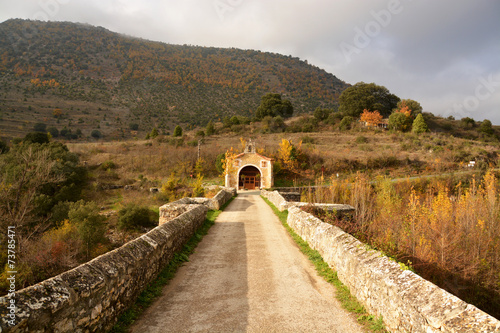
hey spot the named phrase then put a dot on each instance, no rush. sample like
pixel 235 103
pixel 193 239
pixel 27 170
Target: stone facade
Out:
pixel 253 163
pixel 407 302
pixel 90 297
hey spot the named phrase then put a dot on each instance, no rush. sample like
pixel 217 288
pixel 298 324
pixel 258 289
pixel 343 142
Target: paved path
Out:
pixel 247 275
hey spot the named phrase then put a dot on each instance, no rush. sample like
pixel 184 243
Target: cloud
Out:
pixel 435 52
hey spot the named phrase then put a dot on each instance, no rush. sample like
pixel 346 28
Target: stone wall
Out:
pixel 280 201
pixel 90 297
pixel 175 208
pixel 276 198
pixel 407 302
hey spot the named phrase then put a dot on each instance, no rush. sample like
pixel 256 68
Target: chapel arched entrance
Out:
pixel 249 178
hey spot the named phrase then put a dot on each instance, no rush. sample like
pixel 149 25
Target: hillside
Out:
pixel 98 79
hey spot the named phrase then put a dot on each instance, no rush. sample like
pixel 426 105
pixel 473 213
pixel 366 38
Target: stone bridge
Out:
pixel 246 275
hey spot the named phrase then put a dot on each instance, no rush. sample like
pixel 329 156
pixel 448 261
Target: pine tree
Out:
pixel 154 133
pixel 210 130
pixel 177 131
pixel 419 125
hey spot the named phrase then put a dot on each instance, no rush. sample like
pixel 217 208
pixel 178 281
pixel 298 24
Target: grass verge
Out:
pixel 348 301
pixel 154 289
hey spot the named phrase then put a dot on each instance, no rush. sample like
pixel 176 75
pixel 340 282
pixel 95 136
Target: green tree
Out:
pixel 36 137
pixel 322 114
pixel 226 122
pixel 96 134
pixel 154 133
pixel 177 131
pixel 399 121
pixel 219 164
pixel 412 105
pixel 40 127
pixel 272 105
pixel 235 120
pixel 53 131
pixel 419 125
pixel 345 123
pixel 368 96
pixel 468 122
pixel 210 129
pixel 89 223
pixel 134 126
pixel 486 127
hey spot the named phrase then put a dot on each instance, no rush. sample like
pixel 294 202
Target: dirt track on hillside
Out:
pixel 247 275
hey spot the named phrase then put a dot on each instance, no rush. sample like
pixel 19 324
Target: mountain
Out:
pixel 84 78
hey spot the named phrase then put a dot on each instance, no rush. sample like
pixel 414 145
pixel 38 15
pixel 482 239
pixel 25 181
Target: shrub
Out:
pixel 361 139
pixel 96 134
pixel 53 131
pixel 40 127
pixel 3 147
pixel 307 139
pixel 345 123
pixel 36 137
pixel 89 224
pixel 108 165
pixel 133 217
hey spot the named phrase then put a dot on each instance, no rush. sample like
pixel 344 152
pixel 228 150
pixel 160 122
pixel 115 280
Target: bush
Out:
pixel 40 127
pixel 307 139
pixel 361 139
pixel 133 217
pixel 89 224
pixel 96 134
pixel 3 147
pixel 36 137
pixel 53 131
pixel 108 165
pixel 346 123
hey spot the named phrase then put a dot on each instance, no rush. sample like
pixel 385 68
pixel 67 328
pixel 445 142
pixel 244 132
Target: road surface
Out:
pixel 247 275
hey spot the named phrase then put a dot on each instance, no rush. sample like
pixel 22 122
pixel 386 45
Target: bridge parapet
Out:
pixel 90 297
pixel 407 302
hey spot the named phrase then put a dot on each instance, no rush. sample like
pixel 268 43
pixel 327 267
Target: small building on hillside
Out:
pixel 250 170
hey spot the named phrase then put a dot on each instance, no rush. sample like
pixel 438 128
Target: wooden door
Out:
pixel 249 183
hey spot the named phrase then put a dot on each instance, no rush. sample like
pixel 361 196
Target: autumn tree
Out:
pixel 411 105
pixel 57 113
pixel 371 118
pixel 227 161
pixel 288 155
pixel 401 119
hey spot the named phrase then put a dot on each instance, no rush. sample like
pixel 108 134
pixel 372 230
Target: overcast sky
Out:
pixel 444 54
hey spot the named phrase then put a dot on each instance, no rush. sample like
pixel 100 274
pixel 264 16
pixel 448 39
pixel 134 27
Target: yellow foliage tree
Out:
pixel 371 118
pixel 287 154
pixel 227 162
